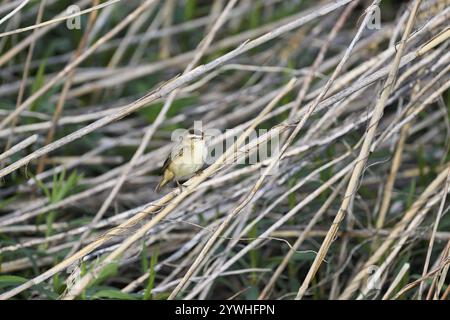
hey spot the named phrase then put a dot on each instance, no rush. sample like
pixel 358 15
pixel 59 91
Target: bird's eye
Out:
pixel 196 132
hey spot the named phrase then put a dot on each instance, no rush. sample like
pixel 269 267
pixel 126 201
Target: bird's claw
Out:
pixel 180 186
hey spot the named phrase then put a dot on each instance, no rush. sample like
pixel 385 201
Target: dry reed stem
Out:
pixel 160 92
pixel 152 128
pixel 396 232
pixel 284 206
pixel 66 87
pixel 363 155
pixel 191 185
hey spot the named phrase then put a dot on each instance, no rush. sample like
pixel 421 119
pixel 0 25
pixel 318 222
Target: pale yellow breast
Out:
pixel 189 162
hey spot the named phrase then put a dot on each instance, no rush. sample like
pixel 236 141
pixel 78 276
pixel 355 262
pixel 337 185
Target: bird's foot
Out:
pixel 180 186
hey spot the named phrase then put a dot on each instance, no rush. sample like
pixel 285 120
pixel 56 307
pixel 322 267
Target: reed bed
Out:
pixel 350 96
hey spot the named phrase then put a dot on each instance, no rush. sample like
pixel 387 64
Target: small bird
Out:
pixel 185 159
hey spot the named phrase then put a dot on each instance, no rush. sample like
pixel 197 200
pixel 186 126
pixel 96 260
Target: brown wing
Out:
pixel 166 164
pixel 179 153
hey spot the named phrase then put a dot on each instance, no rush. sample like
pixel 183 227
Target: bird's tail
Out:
pixel 161 184
pixel 167 177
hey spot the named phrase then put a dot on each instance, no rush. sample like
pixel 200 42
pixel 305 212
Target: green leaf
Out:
pixel 58 285
pixel 255 16
pixel 411 194
pixel 152 274
pixel 189 9
pixel 108 271
pixel 113 294
pixel 144 261
pixel 49 223
pixel 304 256
pixel 38 83
pixel 11 280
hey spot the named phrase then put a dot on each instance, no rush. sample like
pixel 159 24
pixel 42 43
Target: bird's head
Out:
pixel 195 134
